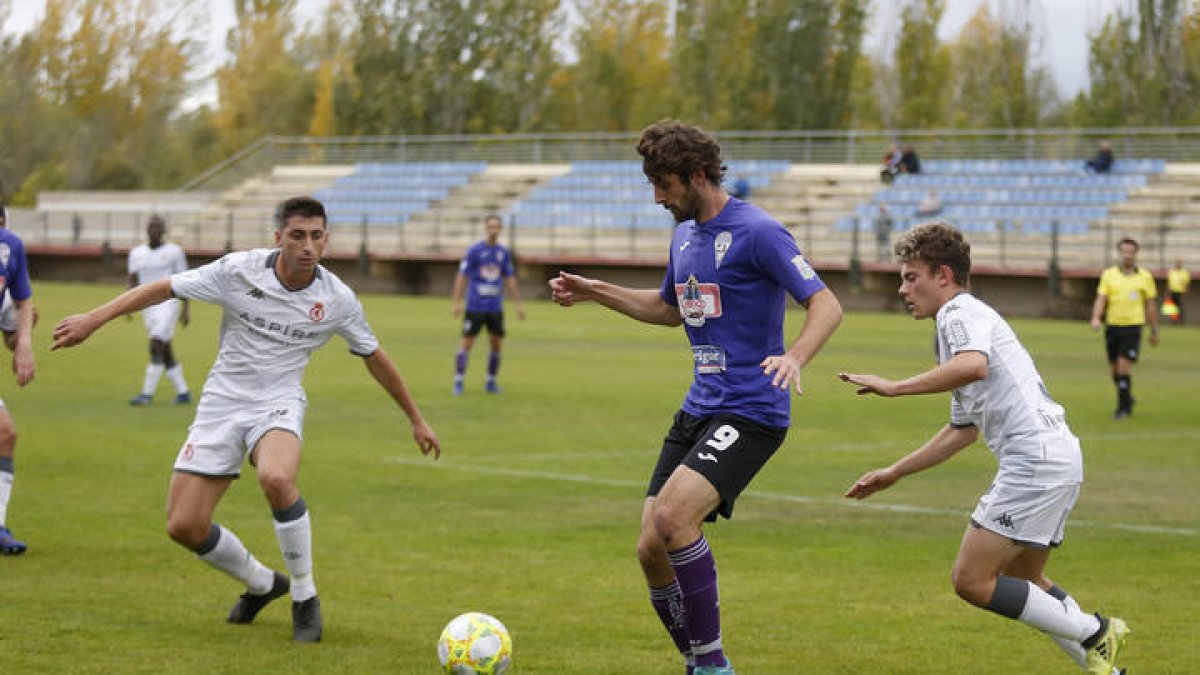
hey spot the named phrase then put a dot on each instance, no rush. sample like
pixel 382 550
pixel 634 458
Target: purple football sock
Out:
pixel 493 365
pixel 460 364
pixel 668 604
pixel 696 572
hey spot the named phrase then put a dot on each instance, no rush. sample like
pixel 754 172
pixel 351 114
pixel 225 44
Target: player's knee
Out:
pixel 277 486
pixel 650 549
pixel 971 588
pixel 669 523
pixel 186 532
pixel 8 439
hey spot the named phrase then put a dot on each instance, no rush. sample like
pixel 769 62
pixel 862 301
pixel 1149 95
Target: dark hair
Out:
pixel 493 216
pixel 306 207
pixel 937 243
pixel 672 147
pixel 1128 240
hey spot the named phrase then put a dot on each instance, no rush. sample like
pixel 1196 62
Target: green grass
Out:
pixel 532 512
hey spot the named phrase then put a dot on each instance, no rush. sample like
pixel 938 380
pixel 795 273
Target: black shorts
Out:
pixel 726 449
pixel 1123 341
pixel 473 322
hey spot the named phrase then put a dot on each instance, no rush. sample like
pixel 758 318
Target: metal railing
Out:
pixel 821 147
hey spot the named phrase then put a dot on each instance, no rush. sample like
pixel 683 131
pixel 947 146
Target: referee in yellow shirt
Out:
pixel 1125 299
pixel 1178 279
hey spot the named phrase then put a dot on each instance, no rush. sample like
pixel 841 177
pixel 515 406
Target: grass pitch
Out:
pixel 532 512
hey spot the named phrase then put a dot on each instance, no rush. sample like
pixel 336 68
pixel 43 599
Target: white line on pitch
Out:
pixel 798 499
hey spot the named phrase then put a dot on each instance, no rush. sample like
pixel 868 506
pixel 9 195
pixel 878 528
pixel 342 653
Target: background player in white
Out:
pixel 996 388
pixel 154 260
pixel 18 336
pixel 278 306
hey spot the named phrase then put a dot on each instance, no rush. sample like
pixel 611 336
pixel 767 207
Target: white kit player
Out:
pixel 996 390
pixel 279 305
pixel 154 260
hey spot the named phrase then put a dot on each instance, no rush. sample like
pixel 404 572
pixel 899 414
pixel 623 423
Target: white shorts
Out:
pixel 224 432
pixel 1029 516
pixel 160 319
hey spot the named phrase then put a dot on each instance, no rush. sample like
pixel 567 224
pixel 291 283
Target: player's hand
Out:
pixel 23 364
pixel 871 482
pixel 1154 337
pixel 869 384
pixel 786 371
pixel 457 309
pixel 568 289
pixel 521 313
pixel 72 330
pixel 1096 323
pixel 185 317
pixel 427 440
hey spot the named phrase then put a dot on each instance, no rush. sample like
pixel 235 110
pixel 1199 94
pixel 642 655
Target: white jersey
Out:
pixel 268 333
pixel 1024 428
pixel 152 264
pixel 8 313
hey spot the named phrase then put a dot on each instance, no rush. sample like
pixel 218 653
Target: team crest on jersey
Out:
pixel 489 272
pixel 317 313
pixel 188 452
pixel 721 246
pixel 698 302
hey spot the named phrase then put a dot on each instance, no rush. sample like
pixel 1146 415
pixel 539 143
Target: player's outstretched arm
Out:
pixel 456 296
pixel 944 444
pixel 963 369
pixel 384 370
pixel 78 327
pixel 642 304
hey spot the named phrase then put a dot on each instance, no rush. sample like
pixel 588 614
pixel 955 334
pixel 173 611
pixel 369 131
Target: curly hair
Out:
pixel 672 147
pixel 937 243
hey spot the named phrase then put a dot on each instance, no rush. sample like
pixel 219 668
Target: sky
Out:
pixel 1066 26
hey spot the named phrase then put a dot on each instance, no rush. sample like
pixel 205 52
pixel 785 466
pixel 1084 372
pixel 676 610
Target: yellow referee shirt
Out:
pixel 1127 295
pixel 1178 280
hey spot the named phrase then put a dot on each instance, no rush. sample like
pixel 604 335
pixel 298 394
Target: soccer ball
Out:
pixel 475 644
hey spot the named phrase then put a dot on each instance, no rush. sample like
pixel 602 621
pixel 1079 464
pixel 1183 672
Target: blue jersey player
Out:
pixel 730 270
pixel 485 271
pixel 14 285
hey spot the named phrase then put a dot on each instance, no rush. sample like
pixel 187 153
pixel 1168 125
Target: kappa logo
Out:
pixel 256 293
pixel 317 313
pixel 1005 520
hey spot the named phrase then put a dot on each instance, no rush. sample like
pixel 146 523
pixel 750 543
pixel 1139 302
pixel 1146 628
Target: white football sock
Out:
pixel 1072 647
pixel 231 557
pixel 1044 612
pixel 6 482
pixel 153 372
pixel 295 542
pixel 175 373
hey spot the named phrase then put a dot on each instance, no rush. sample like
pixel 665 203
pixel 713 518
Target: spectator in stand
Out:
pixel 930 206
pixel 883 233
pixel 891 165
pixel 1102 162
pixel 909 161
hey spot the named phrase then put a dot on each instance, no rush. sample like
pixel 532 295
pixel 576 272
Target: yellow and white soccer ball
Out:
pixel 475 644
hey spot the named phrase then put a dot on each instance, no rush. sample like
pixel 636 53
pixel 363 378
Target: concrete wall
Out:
pixel 1015 293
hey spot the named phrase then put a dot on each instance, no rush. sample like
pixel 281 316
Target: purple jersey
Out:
pixel 728 278
pixel 486 267
pixel 14 274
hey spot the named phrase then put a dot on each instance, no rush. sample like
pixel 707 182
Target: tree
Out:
pixel 922 68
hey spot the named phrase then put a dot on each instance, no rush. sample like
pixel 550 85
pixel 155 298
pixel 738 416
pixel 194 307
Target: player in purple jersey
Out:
pixel 14 283
pixel 278 306
pixel 485 271
pixel 730 269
